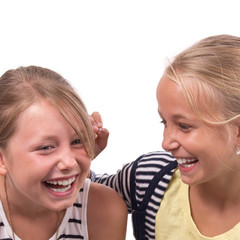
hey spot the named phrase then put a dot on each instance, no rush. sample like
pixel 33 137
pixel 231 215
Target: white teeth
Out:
pixel 186 162
pixel 63 182
pixel 60 189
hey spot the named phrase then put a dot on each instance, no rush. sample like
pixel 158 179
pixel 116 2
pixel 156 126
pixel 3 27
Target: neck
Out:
pixel 219 201
pixel 23 221
pixel 219 192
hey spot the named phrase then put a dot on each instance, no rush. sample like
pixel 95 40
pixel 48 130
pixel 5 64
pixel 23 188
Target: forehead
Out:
pixel 193 96
pixel 168 89
pixel 38 113
pixel 166 83
pixel 170 97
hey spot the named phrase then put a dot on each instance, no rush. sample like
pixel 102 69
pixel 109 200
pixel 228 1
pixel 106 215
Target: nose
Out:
pixel 170 140
pixel 67 161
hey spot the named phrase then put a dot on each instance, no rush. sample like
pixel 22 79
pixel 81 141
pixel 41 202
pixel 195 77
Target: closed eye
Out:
pixel 184 127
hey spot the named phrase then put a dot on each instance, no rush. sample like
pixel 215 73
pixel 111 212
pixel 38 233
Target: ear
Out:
pixel 238 131
pixel 3 169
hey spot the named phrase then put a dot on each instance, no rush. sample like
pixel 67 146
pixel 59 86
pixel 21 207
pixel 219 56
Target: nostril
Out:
pixel 65 164
pixel 170 146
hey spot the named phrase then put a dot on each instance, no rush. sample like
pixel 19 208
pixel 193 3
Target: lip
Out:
pixel 68 191
pixel 60 178
pixel 186 164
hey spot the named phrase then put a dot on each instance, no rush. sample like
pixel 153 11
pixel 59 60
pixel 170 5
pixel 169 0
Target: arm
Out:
pixel 120 182
pixel 132 181
pixel 134 178
pixel 107 214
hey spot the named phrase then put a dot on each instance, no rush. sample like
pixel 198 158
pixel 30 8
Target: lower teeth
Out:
pixel 188 165
pixel 60 189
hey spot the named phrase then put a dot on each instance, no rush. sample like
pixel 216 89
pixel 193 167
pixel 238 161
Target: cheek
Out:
pixel 84 161
pixel 212 143
pixel 198 142
pixel 219 138
pixel 9 162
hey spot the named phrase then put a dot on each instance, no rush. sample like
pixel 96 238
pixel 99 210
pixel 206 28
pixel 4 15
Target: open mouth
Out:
pixel 60 185
pixel 187 163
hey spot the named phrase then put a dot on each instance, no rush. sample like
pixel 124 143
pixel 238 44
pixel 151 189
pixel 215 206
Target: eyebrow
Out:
pixel 175 116
pixel 43 138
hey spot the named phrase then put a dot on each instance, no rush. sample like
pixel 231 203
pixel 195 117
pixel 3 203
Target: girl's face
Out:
pixel 45 160
pixel 204 153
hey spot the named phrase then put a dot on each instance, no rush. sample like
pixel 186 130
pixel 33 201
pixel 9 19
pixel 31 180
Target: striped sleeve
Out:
pixel 120 182
pixel 147 166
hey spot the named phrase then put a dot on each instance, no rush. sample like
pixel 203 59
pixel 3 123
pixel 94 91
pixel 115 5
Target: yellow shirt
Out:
pixel 174 221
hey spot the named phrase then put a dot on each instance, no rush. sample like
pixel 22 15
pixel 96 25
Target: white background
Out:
pixel 113 52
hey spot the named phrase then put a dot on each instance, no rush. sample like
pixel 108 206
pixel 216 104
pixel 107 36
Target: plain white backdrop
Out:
pixel 113 52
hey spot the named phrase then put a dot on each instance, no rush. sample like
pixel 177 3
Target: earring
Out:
pixel 238 151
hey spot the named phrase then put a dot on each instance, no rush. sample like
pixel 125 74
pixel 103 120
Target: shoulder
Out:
pixel 150 164
pixel 151 175
pixel 103 199
pixel 107 213
pixel 158 158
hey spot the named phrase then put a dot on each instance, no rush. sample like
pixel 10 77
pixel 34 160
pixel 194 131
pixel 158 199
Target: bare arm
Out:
pixel 107 214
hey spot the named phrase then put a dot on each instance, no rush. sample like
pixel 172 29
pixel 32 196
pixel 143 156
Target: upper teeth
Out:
pixel 184 160
pixel 62 182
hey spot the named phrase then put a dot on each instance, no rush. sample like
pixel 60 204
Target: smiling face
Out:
pixel 204 152
pixel 45 160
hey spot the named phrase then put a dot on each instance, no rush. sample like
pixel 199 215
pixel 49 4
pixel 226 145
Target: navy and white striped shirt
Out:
pixel 142 184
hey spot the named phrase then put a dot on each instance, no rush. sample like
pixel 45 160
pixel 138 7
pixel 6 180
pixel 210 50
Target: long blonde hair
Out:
pixel 209 74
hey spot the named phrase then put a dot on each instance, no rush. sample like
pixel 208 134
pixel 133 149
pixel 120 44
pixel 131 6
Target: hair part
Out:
pixel 24 86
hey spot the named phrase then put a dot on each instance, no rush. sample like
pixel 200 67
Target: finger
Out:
pixel 103 133
pixel 97 119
